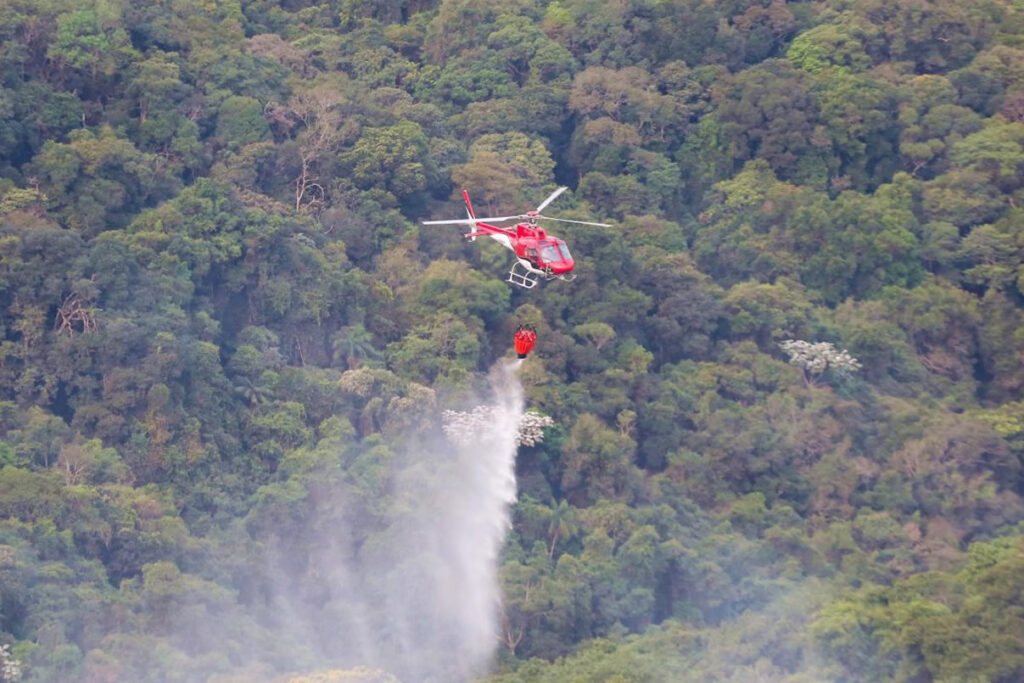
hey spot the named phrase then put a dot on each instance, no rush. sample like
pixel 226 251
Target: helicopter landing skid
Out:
pixel 522 276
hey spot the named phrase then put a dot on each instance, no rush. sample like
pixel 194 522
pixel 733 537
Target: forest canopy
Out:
pixel 217 303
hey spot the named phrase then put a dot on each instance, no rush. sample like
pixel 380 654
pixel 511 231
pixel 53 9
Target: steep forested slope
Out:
pixel 216 303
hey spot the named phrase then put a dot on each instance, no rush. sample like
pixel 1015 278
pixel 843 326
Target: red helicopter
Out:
pixel 538 254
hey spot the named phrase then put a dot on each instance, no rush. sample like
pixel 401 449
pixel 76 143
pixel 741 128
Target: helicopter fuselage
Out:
pixel 535 249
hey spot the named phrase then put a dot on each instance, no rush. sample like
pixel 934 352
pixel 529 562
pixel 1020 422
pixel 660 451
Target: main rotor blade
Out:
pixel 473 221
pixel 460 221
pixel 566 220
pixel 551 198
pixel 500 218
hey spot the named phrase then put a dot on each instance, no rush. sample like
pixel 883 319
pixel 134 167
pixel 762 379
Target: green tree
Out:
pixel 598 462
pixel 354 344
pixel 98 181
pixel 240 121
pixel 768 112
pixel 393 158
pixel 833 46
pixel 508 170
pixel 561 526
pixel 91 40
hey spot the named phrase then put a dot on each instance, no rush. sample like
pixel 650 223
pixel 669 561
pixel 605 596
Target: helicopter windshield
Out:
pixel 565 251
pixel 549 254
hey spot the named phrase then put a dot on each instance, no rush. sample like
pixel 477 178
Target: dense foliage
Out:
pixel 215 302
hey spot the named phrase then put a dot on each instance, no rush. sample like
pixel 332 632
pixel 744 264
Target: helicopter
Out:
pixel 538 254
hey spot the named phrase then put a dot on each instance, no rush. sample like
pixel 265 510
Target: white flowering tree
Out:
pixel 10 668
pixel 531 428
pixel 815 358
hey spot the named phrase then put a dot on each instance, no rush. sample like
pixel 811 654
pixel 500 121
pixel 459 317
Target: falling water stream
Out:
pixel 453 605
pixel 418 598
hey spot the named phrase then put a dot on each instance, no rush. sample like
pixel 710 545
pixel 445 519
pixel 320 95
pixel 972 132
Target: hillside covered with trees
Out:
pixel 217 304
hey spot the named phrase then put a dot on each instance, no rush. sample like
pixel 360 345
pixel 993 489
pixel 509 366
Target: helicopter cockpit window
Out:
pixel 549 254
pixel 565 251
